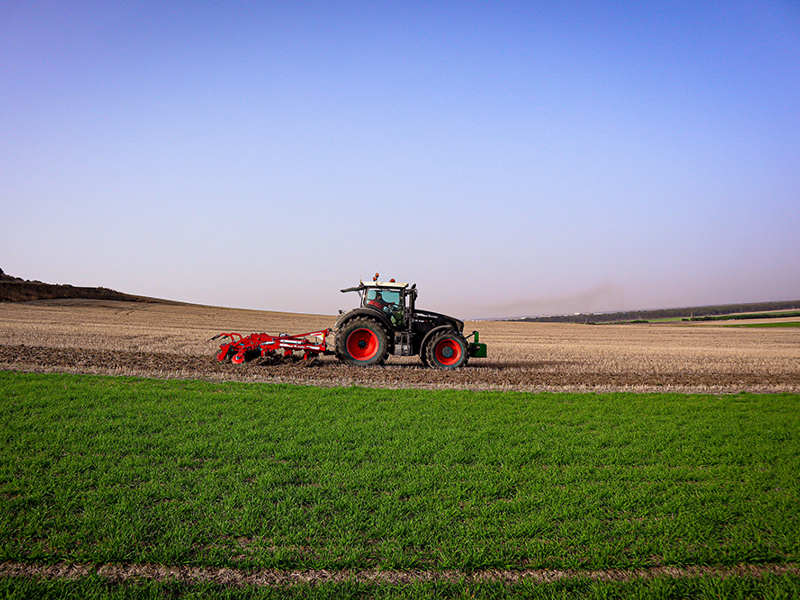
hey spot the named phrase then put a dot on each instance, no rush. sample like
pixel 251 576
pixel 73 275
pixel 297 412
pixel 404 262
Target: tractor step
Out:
pixel 402 343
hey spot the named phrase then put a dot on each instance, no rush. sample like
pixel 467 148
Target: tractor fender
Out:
pixel 432 333
pixel 376 314
pixel 440 318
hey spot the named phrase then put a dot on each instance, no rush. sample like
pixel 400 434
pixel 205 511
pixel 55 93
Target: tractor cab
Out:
pixel 396 300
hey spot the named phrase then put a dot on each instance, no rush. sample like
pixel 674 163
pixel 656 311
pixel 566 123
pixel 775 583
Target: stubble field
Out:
pixel 172 341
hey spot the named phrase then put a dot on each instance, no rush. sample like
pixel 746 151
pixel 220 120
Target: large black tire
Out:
pixel 447 350
pixel 362 341
pixel 423 355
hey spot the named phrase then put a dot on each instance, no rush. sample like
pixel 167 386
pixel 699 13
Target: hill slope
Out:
pixel 16 289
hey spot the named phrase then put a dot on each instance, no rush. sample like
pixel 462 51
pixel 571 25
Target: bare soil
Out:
pixel 172 341
pixel 329 372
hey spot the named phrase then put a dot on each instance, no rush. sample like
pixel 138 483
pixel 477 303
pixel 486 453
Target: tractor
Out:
pixel 388 322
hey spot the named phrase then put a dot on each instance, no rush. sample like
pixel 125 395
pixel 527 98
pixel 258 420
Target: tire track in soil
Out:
pixel 329 372
pixel 120 573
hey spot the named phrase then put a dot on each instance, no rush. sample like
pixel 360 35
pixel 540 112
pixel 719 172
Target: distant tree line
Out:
pixel 691 312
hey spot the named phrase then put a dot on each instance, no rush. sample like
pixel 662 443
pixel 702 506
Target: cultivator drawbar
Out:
pixel 241 349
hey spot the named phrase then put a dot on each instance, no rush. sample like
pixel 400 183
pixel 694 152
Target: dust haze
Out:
pixel 604 297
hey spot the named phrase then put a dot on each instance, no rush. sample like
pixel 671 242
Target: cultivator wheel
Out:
pixel 362 341
pixel 446 350
pixel 246 356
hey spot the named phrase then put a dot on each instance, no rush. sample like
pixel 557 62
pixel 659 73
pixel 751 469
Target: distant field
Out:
pixel 176 481
pixel 720 311
pixel 771 324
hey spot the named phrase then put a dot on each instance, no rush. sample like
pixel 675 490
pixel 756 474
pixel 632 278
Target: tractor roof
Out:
pixel 385 284
pixel 396 285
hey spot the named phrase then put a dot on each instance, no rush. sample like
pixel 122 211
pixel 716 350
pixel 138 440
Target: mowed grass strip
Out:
pixel 96 587
pixel 102 469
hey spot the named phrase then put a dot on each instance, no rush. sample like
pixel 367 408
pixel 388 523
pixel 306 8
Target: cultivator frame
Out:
pixel 261 345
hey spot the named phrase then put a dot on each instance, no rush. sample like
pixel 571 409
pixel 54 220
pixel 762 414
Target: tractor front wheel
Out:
pixel 361 342
pixel 447 350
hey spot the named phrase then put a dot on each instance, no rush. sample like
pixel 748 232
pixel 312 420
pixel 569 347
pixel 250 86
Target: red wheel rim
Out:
pixel 448 352
pixel 362 344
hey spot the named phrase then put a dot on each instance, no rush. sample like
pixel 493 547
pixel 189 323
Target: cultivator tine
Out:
pixel 231 335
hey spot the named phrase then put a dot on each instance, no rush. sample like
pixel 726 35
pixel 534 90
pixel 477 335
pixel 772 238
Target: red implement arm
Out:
pixel 240 349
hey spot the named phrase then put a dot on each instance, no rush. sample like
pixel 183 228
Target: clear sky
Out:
pixel 511 158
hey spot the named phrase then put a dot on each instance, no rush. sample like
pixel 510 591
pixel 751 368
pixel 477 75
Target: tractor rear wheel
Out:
pixel 361 342
pixel 423 356
pixel 447 350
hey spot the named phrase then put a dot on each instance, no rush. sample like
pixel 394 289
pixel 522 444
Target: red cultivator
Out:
pixel 257 345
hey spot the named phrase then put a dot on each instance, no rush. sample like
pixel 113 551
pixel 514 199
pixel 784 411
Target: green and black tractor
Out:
pixel 388 322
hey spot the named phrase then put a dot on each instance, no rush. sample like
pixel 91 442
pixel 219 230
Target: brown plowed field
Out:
pixel 161 340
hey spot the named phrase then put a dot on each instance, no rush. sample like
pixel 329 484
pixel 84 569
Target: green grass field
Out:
pixel 133 471
pixel 783 324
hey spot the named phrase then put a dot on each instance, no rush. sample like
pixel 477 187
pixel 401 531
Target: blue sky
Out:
pixel 511 158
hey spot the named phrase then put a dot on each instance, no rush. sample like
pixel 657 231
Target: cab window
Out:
pixel 388 296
